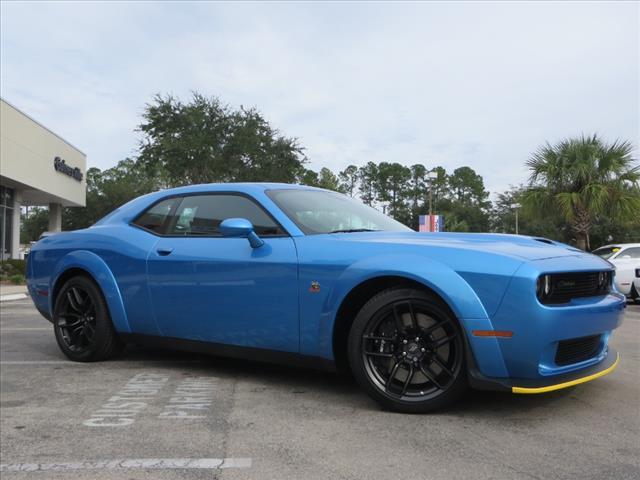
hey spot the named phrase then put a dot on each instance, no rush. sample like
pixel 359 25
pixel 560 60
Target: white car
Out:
pixel 626 258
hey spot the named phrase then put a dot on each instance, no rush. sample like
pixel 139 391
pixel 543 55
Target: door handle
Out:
pixel 164 251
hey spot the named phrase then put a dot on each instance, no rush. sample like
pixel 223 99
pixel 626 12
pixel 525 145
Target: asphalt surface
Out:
pixel 188 416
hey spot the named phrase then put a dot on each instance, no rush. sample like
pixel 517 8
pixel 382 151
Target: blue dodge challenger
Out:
pixel 300 275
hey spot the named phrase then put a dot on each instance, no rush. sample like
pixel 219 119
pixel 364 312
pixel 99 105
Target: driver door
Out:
pixel 217 289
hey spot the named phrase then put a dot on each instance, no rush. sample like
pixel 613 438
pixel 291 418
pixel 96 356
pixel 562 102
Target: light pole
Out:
pixel 431 175
pixel 516 206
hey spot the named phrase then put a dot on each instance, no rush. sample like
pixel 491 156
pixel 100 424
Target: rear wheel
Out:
pixel 406 350
pixel 82 323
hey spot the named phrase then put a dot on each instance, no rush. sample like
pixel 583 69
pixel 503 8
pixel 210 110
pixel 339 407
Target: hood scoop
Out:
pixel 545 240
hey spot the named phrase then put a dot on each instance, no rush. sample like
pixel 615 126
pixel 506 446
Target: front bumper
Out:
pixel 529 359
pixel 596 371
pixel 547 384
pixel 537 329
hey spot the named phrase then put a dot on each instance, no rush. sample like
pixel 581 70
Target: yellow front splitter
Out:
pixel 559 386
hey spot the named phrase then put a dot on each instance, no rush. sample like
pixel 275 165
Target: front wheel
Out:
pixel 82 323
pixel 407 351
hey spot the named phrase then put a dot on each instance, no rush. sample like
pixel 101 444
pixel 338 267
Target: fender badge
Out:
pixel 315 287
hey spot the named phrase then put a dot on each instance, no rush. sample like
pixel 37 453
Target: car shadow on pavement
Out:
pixel 341 386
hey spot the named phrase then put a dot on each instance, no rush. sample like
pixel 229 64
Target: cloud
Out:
pixel 452 84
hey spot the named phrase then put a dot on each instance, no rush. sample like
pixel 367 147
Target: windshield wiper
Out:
pixel 353 230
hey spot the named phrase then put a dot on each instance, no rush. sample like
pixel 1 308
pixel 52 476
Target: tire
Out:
pixel 635 296
pixel 82 323
pixel 406 349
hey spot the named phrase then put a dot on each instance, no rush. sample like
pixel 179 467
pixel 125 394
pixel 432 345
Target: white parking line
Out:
pixel 123 464
pixel 82 364
pixel 12 296
pixel 41 362
pixel 25 329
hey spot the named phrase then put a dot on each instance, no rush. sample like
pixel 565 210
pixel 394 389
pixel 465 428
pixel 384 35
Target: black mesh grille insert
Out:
pixel 566 286
pixel 577 349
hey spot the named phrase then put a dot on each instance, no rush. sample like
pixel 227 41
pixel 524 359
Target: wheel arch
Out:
pixel 84 262
pixel 62 279
pixel 366 278
pixel 357 297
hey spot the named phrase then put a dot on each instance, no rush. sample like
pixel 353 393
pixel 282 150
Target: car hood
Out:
pixel 519 246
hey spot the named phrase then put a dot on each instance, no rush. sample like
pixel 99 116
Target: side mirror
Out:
pixel 240 228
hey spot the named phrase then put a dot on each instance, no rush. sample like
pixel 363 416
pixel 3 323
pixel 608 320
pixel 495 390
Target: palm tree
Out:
pixel 582 179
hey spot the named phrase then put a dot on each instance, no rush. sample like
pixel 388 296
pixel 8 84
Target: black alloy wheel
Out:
pixel 82 323
pixel 77 319
pixel 406 349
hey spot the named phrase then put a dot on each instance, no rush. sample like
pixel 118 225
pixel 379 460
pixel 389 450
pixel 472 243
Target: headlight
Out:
pixel 543 287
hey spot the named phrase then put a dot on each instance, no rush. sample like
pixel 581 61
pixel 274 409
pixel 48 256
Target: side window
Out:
pixel 157 218
pixel 633 252
pixel 202 214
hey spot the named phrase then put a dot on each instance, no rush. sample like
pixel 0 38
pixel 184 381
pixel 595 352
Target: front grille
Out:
pixel 563 287
pixel 577 350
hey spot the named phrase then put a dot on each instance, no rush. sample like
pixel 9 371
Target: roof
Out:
pixel 246 187
pixel 257 190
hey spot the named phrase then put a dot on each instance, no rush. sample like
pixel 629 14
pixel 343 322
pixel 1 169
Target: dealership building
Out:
pixel 37 168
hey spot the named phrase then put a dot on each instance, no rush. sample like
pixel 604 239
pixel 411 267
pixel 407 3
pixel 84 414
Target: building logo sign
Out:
pixel 60 166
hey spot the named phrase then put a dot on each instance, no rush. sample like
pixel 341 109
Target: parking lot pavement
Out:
pixel 157 414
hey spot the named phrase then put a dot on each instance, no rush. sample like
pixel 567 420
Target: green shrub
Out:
pixel 13 267
pixel 6 269
pixel 19 265
pixel 17 279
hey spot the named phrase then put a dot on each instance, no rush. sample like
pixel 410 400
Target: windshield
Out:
pixel 606 252
pixel 317 211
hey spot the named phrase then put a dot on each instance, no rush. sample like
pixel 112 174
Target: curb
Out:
pixel 12 296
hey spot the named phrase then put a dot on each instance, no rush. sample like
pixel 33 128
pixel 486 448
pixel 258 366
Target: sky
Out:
pixel 451 84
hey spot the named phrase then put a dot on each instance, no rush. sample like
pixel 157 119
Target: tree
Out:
pixel 34 223
pixel 109 189
pixel 461 198
pixel 467 187
pixel 310 178
pixel 418 184
pixel 77 218
pixel 584 179
pixel 349 180
pixel 439 187
pixel 205 141
pixel 368 176
pixel 454 224
pixel 256 152
pixel 470 218
pixel 503 218
pixel 328 180
pixel 392 184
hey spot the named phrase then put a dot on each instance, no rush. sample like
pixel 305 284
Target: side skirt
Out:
pixel 232 351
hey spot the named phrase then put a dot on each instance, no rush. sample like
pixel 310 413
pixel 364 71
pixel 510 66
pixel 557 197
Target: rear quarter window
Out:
pixel 157 218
